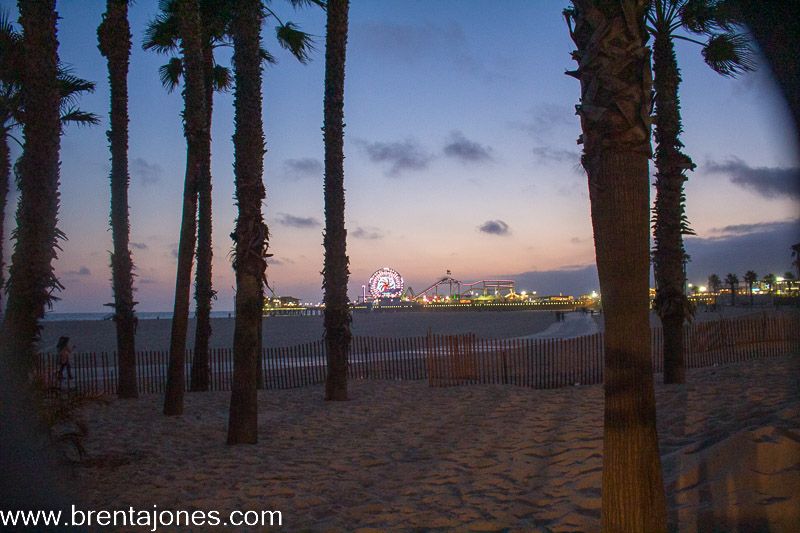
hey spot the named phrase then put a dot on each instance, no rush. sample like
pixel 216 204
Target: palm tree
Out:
pixel 162 36
pixel 796 257
pixel 335 272
pixel 196 131
pixel 769 279
pixel 727 53
pixel 32 281
pixel 251 236
pixel 12 110
pixel 114 42
pixel 732 281
pixel 750 277
pixel 714 284
pixel 614 71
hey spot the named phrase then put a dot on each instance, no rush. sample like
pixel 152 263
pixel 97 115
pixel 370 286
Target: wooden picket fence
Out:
pixel 447 360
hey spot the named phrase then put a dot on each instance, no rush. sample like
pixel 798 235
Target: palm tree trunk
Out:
pixel 195 128
pixel 335 272
pixel 251 236
pixel 5 178
pixel 204 292
pixel 614 71
pixel 114 39
pixel 31 277
pixel 672 305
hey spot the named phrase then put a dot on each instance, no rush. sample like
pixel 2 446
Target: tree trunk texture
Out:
pixel 251 236
pixel 114 38
pixel 195 129
pixel 204 292
pixel 614 71
pixel 5 180
pixel 32 279
pixel 669 221
pixel 335 272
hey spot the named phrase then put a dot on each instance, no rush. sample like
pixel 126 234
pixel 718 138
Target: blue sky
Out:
pixel 460 154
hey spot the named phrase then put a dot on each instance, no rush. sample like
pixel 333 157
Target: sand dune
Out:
pixel 402 455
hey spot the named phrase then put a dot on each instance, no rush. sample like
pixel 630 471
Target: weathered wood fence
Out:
pixel 447 360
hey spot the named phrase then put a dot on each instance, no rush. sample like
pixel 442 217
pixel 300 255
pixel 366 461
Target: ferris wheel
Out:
pixel 386 283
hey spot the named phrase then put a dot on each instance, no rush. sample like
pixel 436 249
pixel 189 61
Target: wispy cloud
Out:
pixel 366 233
pixel 147 173
pixel 139 245
pixel 769 182
pixel 543 119
pixel 400 156
pixel 463 149
pixel 293 221
pixel 548 154
pixel 746 229
pixel 495 227
pixel 306 167
pixel 82 271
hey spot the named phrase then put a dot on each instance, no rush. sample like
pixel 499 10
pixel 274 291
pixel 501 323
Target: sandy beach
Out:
pixel 401 455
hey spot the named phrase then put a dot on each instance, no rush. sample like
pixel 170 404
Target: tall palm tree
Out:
pixel 335 271
pixel 114 42
pixel 796 257
pixel 251 236
pixel 732 281
pixel 195 121
pixel 614 72
pixel 727 53
pixel 32 280
pixel 12 110
pixel 769 279
pixel 162 36
pixel 750 277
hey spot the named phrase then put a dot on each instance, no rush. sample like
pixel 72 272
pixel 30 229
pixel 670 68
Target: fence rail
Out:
pixel 447 360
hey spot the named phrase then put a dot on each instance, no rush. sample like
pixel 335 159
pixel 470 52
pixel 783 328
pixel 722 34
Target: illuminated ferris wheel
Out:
pixel 386 283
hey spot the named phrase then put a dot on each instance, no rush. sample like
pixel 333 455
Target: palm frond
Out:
pixel 161 34
pixel 81 118
pixel 298 42
pixel 308 3
pixel 221 78
pixel 698 16
pixel 70 86
pixel 170 74
pixel 266 57
pixel 729 54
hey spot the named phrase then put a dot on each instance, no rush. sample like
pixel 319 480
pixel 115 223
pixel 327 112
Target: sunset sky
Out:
pixel 460 154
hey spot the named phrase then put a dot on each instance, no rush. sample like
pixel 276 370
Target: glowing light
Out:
pixel 703 288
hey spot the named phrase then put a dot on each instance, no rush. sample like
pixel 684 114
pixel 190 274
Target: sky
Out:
pixel 460 155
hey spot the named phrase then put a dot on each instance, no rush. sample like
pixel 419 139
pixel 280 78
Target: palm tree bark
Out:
pixel 204 291
pixel 614 71
pixel 32 280
pixel 114 38
pixel 672 305
pixel 5 179
pixel 251 235
pixel 195 129
pixel 335 272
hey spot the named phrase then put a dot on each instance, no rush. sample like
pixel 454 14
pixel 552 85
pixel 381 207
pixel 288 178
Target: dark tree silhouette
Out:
pixel 732 281
pixel 769 279
pixel 750 278
pixel 195 130
pixel 614 71
pixel 796 257
pixel 335 272
pixel 114 42
pixel 714 284
pixel 727 53
pixel 251 236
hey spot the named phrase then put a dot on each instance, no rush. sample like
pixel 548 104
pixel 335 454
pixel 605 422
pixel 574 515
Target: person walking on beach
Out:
pixel 64 352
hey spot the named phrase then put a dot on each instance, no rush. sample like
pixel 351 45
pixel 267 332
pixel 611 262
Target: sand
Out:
pixel 402 455
pixel 100 335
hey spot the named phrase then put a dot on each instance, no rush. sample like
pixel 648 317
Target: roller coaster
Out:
pixel 451 288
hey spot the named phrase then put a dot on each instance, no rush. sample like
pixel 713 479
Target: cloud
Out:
pixel 278 261
pixel 494 227
pixel 744 229
pixel 146 281
pixel 82 271
pixel 306 167
pixel 547 154
pixel 297 222
pixel 139 245
pixel 147 173
pixel 366 233
pixel 769 182
pixel 467 151
pixel 399 155
pixel 173 249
